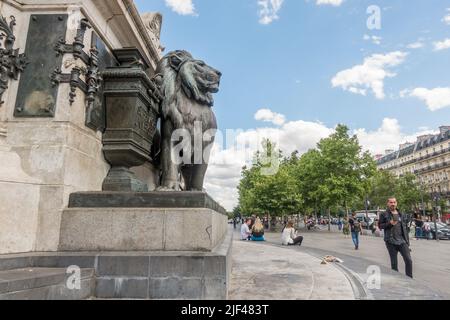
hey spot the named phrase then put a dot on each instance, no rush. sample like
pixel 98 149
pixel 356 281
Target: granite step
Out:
pixel 45 284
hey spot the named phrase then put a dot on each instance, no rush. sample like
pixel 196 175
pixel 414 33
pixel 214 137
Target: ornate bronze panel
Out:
pixel 101 58
pixel 37 93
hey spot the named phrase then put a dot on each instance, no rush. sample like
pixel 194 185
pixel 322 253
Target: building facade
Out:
pixel 428 158
pixel 52 114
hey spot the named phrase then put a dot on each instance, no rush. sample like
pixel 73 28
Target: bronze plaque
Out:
pixel 95 116
pixel 36 96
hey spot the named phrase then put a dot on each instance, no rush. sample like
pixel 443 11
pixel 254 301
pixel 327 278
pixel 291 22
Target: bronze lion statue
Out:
pixel 188 123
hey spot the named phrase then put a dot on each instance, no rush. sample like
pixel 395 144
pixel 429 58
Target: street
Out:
pixel 431 259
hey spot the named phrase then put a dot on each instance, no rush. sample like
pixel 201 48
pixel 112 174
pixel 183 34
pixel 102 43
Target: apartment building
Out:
pixel 428 158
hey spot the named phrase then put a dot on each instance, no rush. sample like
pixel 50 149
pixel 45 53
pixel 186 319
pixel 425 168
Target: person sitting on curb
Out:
pixel 258 231
pixel 289 237
pixel 245 230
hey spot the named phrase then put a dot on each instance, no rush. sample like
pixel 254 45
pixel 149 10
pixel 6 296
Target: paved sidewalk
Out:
pixel 265 272
pixel 394 285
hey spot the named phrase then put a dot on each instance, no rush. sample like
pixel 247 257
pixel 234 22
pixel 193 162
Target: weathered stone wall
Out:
pixel 44 160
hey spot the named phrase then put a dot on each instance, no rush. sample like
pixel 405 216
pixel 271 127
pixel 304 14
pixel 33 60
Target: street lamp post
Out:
pixel 436 214
pixel 422 191
pixel 367 204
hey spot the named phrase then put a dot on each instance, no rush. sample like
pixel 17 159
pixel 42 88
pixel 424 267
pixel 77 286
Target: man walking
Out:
pixel 396 236
pixel 355 227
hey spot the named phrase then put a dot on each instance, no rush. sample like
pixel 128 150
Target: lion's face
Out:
pixel 199 81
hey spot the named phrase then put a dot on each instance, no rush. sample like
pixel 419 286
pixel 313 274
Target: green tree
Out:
pixel 343 169
pixel 409 193
pixel 382 186
pixel 268 187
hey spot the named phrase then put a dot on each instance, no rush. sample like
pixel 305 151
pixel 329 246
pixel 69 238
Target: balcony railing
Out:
pixel 428 156
pixel 432 168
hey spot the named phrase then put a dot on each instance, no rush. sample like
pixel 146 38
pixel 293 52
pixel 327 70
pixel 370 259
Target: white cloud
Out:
pixel 388 137
pixel 375 39
pixel 446 19
pixel 370 74
pixel 415 45
pixel 183 7
pixel 267 115
pixel 437 98
pixel 268 10
pixel 226 163
pixel 442 45
pixel 224 172
pixel 335 3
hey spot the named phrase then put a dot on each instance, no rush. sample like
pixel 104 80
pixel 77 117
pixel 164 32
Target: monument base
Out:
pixel 152 221
pixel 121 178
pixel 156 245
pixel 120 275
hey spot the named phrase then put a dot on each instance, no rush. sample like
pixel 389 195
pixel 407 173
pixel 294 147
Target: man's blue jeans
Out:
pixel 419 233
pixel 355 238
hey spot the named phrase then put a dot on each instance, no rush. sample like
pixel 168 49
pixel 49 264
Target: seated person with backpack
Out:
pixel 258 231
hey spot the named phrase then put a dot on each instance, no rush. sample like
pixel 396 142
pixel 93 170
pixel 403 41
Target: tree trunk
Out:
pixel 329 219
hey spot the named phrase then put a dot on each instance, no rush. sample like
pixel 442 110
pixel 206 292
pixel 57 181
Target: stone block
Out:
pixel 18 217
pixel 175 288
pixel 215 289
pixel 109 288
pixel 43 284
pixel 14 263
pixel 155 199
pixel 111 230
pixel 63 261
pixel 123 266
pixel 61 292
pixel 173 266
pixel 141 229
pixel 215 265
pixel 189 229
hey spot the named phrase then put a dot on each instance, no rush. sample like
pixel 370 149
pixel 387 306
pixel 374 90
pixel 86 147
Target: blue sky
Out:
pixel 289 64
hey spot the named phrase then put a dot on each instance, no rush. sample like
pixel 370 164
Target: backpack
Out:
pixel 356 225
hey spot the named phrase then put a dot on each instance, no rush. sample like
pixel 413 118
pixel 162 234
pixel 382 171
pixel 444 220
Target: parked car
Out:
pixel 443 231
pixel 367 223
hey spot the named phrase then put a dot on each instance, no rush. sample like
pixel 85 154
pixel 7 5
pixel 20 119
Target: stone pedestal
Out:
pixel 122 275
pixel 157 245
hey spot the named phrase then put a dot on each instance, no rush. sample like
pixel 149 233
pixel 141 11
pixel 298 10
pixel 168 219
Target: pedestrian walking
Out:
pixel 394 224
pixel 346 227
pixel 418 222
pixel 356 230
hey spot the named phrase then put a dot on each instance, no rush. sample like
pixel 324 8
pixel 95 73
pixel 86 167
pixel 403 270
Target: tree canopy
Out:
pixel 337 175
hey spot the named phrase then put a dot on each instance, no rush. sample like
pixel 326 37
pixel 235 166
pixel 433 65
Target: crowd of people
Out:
pixel 422 229
pixel 252 229
pixel 394 225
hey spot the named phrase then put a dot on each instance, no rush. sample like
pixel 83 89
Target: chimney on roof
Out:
pixel 388 151
pixel 444 129
pixel 424 137
pixel 405 145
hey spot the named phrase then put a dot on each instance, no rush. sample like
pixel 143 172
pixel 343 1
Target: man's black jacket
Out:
pixel 385 224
